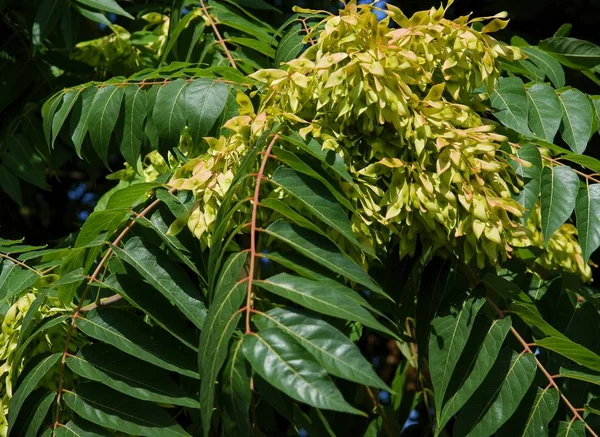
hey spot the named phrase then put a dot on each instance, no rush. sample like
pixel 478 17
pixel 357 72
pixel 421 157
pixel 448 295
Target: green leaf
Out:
pixel 583 160
pixel 254 44
pixel 317 199
pixel 106 221
pixel 543 410
pixel 97 17
pixel 329 300
pixel 580 373
pixel 530 174
pixel 47 15
pixel 133 130
pixel 15 282
pixel 81 117
pixel 126 332
pixel 587 212
pixel 236 393
pixel 544 111
pixel 571 429
pixel 577 119
pixel 564 30
pixel 130 196
pixel 106 407
pixel 530 315
pixel 291 214
pixel 24 162
pixel 574 351
pixel 107 6
pixel 204 102
pixel 48 111
pixel 510 102
pixel 332 349
pixel 323 251
pixel 29 383
pixel 104 112
pixel 166 277
pixel 126 374
pixel 499 395
pixel 572 52
pixel 559 190
pixel 550 66
pixel 290 46
pixel 10 184
pixel 221 321
pixel 37 415
pixel 142 296
pixel 476 360
pixel 68 101
pixel 169 110
pixel 81 428
pixel 286 365
pixel 450 331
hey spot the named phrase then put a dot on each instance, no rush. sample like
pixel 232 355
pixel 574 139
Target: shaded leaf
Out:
pixel 559 190
pixel 68 101
pixel 572 52
pixel 133 130
pixel 235 393
pixel 577 119
pixel 587 212
pixel 574 351
pixel 169 110
pixel 571 429
pixel 544 111
pixel 290 46
pixel 204 101
pixel 10 184
pixel 550 66
pixel 511 104
pixel 81 428
pixel 107 6
pixel 81 117
pixel 104 112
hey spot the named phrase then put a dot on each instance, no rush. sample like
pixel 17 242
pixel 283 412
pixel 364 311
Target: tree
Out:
pixel 290 199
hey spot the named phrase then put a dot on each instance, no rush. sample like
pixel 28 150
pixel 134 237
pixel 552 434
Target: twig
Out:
pixel 253 229
pixel 377 406
pixel 105 301
pixel 78 309
pixel 217 34
pixel 20 263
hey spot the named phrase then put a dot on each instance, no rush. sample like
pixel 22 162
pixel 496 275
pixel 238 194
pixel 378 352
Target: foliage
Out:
pixel 291 197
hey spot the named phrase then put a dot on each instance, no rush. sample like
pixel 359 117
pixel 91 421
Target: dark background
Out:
pixel 48 216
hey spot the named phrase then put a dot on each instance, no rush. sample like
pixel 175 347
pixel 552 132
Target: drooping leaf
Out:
pixel 478 357
pixel 131 335
pixel 103 115
pixel 133 130
pixel 574 351
pixel 220 324
pixel 37 415
pixel 47 15
pixel 329 300
pixel 544 111
pixel 106 407
pixel 550 66
pixel 572 52
pixel 29 383
pixel 571 429
pixel 109 366
pixel 509 99
pixel 81 428
pixel 322 251
pixel 10 184
pixel 559 190
pixel 290 46
pixel 24 162
pixel 166 277
pixel 101 224
pixel 106 6
pixel 587 212
pixel 81 117
pixel 577 123
pixel 499 395
pixel 332 349
pixel 158 308
pixel 204 102
pixel 450 331
pixel 15 281
pixel 68 101
pixel 130 196
pixel 169 110
pixel 236 394
pixel 286 365
pixel 531 175
pixel 543 410
pixel 580 373
pixel 317 199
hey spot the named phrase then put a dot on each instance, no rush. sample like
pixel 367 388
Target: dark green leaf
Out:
pixel 587 211
pixel 510 102
pixel 204 102
pixel 166 277
pixel 10 184
pixel 47 15
pixel 574 351
pixel 130 196
pixel 169 110
pixel 580 373
pixel 286 365
pixel 103 115
pixel 290 46
pixel 126 374
pixel 236 393
pixel 81 428
pixel 68 101
pixel 329 300
pixel 577 119
pixel 550 66
pixel 559 190
pixel 133 131
pixel 24 162
pixel 572 52
pixel 107 6
pixel 37 415
pixel 332 349
pixel 106 407
pixel 323 251
pixel 221 321
pixel 81 117
pixel 571 429
pixel 499 395
pixel 450 330
pixel 15 282
pixel 543 410
pixel 100 222
pixel 131 335
pixel 544 111
pixel 29 383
